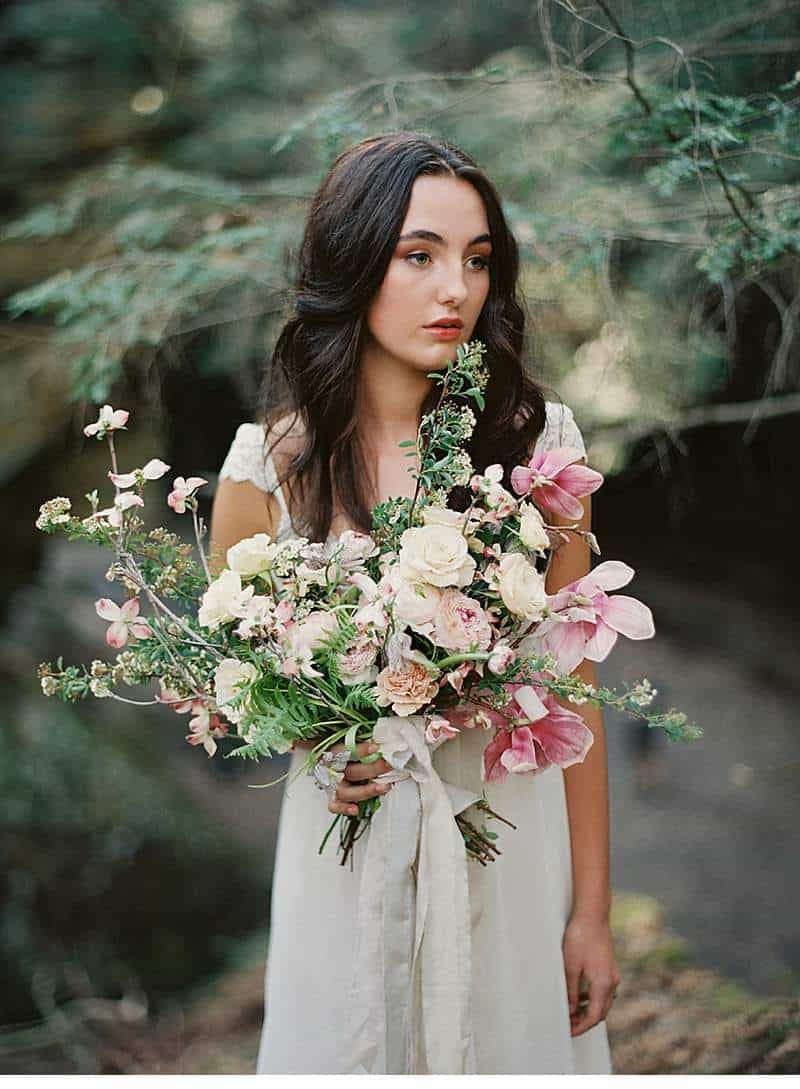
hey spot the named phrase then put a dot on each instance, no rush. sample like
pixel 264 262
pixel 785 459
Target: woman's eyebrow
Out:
pixel 431 236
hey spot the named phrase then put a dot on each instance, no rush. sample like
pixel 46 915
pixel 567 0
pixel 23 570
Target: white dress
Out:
pixel 519 904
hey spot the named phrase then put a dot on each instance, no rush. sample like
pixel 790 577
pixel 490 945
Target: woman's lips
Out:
pixel 444 332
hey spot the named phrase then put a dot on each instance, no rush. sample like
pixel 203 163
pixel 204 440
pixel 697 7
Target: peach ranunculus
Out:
pixel 406 689
pixel 461 623
pixel 435 554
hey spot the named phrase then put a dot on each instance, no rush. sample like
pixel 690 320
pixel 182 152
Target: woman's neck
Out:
pixel 390 402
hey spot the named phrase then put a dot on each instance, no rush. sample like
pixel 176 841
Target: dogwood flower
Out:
pixel 124 621
pixel 555 482
pixel 122 502
pixel 584 621
pixel 183 490
pixel 109 420
pixel 153 470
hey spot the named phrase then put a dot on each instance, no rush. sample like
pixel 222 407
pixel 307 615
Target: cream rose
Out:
pixel 229 678
pixel 224 600
pixel 461 623
pixel 406 689
pixel 521 586
pixel 443 516
pixel 416 604
pixel 252 556
pixel 436 554
pixel 531 528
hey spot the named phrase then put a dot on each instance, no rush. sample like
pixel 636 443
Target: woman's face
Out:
pixel 439 269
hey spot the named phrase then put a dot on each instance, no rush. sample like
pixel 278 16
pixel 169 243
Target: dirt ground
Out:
pixel 671 1017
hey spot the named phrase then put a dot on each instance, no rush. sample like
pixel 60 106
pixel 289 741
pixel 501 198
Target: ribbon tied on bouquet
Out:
pixel 410 993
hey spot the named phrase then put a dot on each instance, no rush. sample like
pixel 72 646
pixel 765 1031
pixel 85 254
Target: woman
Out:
pixel 406 232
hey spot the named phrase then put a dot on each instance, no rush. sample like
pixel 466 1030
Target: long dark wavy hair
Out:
pixel 352 230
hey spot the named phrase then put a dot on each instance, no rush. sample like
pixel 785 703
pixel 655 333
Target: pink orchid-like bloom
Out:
pixel 440 728
pixel 153 470
pixel 547 733
pixel 109 420
pixel 124 621
pixel 555 482
pixel 584 621
pixel 205 727
pixel 183 490
pixel 113 515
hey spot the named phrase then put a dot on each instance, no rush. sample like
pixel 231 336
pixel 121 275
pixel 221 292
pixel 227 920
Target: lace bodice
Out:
pixel 247 458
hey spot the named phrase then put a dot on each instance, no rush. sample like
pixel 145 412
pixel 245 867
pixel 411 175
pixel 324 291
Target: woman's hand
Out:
pixel 589 952
pixel 356 785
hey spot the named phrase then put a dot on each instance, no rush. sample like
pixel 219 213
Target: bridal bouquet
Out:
pixel 439 613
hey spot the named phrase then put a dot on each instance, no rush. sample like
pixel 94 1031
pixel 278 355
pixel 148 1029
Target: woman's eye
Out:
pixel 413 257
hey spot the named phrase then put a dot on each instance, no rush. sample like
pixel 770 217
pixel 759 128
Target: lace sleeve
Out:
pixel 560 429
pixel 245 459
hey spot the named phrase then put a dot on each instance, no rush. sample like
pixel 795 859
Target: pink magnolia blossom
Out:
pixel 584 621
pixel 555 482
pixel 546 733
pixel 153 470
pixel 124 621
pixel 183 490
pixel 109 420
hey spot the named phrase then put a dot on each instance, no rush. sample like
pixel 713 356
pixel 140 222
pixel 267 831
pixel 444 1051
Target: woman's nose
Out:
pixel 453 285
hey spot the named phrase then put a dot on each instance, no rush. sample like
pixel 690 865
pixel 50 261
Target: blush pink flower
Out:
pixel 204 727
pixel 172 699
pixel 124 621
pixel 547 733
pixel 183 490
pixel 153 470
pixel 109 420
pixel 122 502
pixel 584 621
pixel 440 728
pixel 460 623
pixel 555 482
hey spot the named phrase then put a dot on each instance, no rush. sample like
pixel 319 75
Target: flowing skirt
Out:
pixel 519 905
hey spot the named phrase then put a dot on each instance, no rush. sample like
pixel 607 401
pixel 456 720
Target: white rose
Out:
pixel 521 586
pixel 531 528
pixel 224 600
pixel 436 554
pixel 229 678
pixel 416 604
pixel 443 516
pixel 252 556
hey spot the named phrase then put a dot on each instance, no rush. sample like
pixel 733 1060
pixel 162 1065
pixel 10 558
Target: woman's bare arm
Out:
pixel 588 944
pixel 586 784
pixel 240 510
